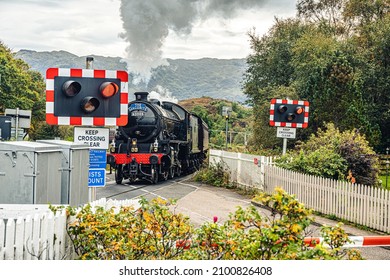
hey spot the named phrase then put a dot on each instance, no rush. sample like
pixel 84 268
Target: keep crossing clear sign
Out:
pixel 286 132
pixel 95 138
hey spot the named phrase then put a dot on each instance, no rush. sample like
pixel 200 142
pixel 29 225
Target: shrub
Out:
pixel 217 175
pixel 337 155
pixel 247 235
pixel 147 233
pixel 155 232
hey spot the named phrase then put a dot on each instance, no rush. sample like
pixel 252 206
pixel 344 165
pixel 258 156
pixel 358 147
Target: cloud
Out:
pixel 148 24
pixel 81 27
pixel 230 8
pixel 150 30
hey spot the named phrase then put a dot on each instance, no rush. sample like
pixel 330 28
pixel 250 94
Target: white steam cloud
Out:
pixel 162 94
pixel 147 24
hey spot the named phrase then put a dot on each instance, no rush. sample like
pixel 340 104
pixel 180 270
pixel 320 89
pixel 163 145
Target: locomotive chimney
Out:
pixel 141 96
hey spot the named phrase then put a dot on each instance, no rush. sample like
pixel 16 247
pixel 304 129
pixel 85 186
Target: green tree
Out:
pixel 325 74
pixel 361 27
pixel 23 88
pixel 333 54
pixel 20 87
pixel 371 42
pixel 270 75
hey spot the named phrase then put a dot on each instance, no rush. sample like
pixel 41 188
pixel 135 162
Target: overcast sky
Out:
pixel 187 28
pixel 142 32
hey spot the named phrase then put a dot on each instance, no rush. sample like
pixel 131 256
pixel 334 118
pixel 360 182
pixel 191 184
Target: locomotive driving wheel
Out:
pixel 118 174
pixel 171 173
pixel 154 174
pixel 164 175
pixel 178 171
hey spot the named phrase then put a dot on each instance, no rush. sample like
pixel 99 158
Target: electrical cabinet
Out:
pixel 74 171
pixel 30 173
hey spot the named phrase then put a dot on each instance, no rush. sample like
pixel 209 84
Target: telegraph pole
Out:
pixel 226 112
pixel 227 129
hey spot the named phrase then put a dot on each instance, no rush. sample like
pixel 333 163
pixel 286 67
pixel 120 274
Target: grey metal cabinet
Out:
pixel 30 173
pixel 74 175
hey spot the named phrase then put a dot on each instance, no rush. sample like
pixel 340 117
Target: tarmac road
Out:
pixel 203 202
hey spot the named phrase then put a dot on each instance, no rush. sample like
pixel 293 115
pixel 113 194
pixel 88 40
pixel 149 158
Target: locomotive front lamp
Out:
pixel 155 146
pixel 134 148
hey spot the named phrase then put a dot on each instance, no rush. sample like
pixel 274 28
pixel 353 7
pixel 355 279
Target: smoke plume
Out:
pixel 148 22
pixel 162 94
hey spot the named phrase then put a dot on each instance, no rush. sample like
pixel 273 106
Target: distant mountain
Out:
pixel 183 78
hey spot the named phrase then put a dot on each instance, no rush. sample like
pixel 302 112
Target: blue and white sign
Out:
pixel 97 168
pixel 97 178
pixel 97 159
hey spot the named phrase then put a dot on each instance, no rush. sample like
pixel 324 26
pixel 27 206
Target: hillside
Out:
pixel 184 79
pixel 210 110
pixel 205 102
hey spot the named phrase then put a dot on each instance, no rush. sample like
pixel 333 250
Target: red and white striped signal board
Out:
pixel 53 92
pixel 289 113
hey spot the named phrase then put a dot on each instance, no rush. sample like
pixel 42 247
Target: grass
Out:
pixel 383 178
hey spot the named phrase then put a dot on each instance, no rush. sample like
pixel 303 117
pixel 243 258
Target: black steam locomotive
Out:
pixel 161 140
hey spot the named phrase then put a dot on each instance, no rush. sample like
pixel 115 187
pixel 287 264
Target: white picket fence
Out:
pixel 365 205
pixel 245 170
pixel 360 204
pixel 38 235
pixel 34 232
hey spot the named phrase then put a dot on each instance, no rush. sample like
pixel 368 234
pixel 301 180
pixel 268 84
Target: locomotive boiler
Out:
pixel 161 140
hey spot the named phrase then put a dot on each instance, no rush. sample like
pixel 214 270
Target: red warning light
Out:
pixel 299 110
pixel 109 89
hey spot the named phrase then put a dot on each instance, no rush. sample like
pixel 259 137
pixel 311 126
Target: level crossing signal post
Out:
pixel 88 98
pixel 288 115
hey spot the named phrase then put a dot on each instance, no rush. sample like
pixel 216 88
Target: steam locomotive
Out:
pixel 161 140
